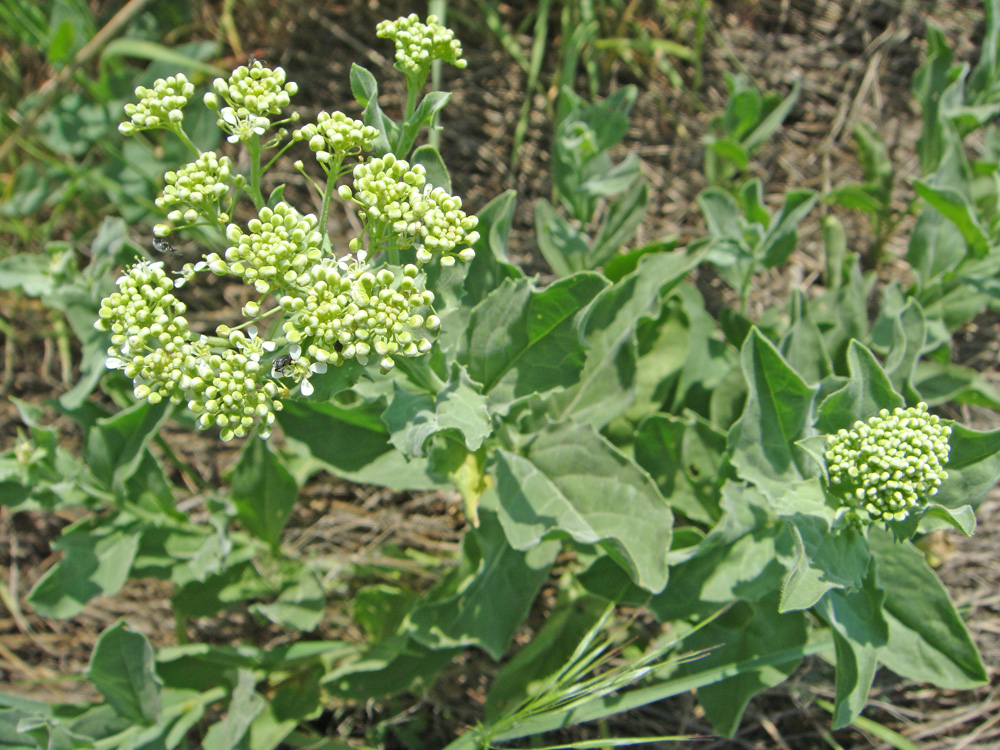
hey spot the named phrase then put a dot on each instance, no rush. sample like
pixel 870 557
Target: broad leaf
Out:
pixel 572 482
pixel 859 632
pixel 824 560
pixel 778 412
pixel 606 384
pixel 263 491
pixel 686 459
pixel 521 341
pixel 973 467
pixel 122 670
pixel 459 407
pixel 244 706
pixel 483 600
pixel 956 208
pixel 866 393
pixel 97 557
pixel 744 633
pixel 352 443
pixel 928 641
pixel 740 560
pixel 114 449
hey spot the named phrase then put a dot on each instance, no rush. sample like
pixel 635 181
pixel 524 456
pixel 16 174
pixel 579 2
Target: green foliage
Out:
pixel 667 458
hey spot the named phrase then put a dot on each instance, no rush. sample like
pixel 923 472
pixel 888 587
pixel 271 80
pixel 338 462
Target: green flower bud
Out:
pixel 419 44
pixel 890 465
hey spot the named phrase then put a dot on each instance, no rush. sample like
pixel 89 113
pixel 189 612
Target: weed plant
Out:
pixel 755 486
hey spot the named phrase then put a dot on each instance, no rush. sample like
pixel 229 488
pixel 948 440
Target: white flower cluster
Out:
pixel 335 136
pixel 254 94
pixel 394 200
pixel 890 465
pixel 280 245
pixel 197 188
pixel 344 311
pixel 152 344
pixel 158 107
pixel 419 44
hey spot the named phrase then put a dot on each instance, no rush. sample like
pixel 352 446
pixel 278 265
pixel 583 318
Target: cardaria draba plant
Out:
pixel 889 466
pixel 327 306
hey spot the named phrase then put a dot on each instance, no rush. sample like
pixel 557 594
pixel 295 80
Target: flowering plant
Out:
pixel 755 486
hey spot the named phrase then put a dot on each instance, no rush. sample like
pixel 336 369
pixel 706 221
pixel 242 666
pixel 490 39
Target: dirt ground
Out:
pixel 855 59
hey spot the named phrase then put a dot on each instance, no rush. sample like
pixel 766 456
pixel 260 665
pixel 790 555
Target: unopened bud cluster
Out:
pixel 345 311
pixel 890 465
pixel 152 344
pixel 280 245
pixel 335 136
pixel 256 90
pixel 197 188
pixel 158 107
pixel 254 94
pixel 232 390
pixel 394 198
pixel 419 44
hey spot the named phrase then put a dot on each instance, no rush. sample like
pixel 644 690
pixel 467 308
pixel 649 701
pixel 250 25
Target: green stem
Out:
pixel 179 132
pixel 253 146
pixel 274 158
pixel 331 183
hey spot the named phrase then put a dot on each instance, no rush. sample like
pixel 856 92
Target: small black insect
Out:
pixel 281 364
pixel 160 245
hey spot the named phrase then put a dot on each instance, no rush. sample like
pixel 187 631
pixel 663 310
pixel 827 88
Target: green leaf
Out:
pixel 802 344
pixel 573 482
pixel 956 208
pixel 300 604
pixel 854 196
pixel 770 124
pixel 244 706
pixel 928 641
pixel 740 560
pixel 973 467
pixel 459 407
pixel 521 341
pixel 686 459
pixel 122 670
pixel 97 557
pixel 424 115
pixel 430 159
pixel 115 447
pixel 621 218
pixel 722 214
pixel 365 91
pixel 388 668
pixel 607 383
pixel 744 633
pixel 29 272
pixel 866 393
pixel 859 632
pixel 535 665
pixel 144 49
pixel 778 413
pixel 781 237
pixel 731 150
pixel 485 598
pixel 380 610
pixel 263 491
pixel 824 560
pixel 491 264
pixel 942 382
pixel 352 443
pixel 564 246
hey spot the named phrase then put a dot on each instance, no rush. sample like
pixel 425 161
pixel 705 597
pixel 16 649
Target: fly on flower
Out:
pixel 160 245
pixel 281 364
